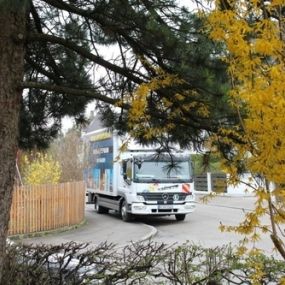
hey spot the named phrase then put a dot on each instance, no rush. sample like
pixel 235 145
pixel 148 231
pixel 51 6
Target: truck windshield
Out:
pixel 151 171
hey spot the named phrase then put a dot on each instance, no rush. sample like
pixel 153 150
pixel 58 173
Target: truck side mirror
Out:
pixel 127 180
pixel 126 174
pixel 124 168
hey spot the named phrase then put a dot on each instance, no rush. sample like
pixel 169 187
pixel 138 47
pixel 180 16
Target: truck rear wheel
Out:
pixel 180 217
pixel 126 217
pixel 99 209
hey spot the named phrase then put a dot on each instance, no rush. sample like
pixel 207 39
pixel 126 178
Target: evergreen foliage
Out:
pixel 67 40
pixel 42 110
pixel 206 162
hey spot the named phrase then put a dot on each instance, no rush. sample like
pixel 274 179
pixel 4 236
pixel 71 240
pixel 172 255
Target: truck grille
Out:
pixel 163 198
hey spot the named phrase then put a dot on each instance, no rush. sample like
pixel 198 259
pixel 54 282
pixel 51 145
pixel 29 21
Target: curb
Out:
pixel 47 232
pixel 151 234
pixel 148 236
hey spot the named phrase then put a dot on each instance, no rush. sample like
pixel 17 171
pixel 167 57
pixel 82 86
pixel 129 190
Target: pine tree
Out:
pixel 49 47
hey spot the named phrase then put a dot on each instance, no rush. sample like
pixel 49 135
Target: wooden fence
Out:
pixel 46 207
pixel 201 182
pixel 208 182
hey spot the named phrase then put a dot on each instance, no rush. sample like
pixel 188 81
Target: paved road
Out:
pixel 98 229
pixel 199 227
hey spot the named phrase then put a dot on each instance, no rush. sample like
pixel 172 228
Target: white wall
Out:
pixel 242 188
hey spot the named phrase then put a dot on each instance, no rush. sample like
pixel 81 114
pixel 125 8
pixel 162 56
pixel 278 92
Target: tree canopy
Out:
pixel 168 79
pixel 67 64
pixel 55 58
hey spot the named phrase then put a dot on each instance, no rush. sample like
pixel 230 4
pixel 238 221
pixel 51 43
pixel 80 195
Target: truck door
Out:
pixel 126 176
pixel 127 171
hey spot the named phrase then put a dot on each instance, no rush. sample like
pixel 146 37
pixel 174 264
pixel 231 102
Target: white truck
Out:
pixel 136 181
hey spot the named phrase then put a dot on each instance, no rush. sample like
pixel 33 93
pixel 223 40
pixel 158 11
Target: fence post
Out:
pixel 209 181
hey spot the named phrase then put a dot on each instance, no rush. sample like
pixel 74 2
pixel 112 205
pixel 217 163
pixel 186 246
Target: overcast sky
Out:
pixel 68 122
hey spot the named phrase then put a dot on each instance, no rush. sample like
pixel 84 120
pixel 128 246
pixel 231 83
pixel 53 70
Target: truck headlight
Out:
pixel 190 206
pixel 140 198
pixel 139 207
pixel 189 198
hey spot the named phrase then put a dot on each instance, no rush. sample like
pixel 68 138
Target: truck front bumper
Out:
pixel 155 209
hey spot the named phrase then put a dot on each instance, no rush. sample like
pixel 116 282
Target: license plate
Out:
pixel 164 207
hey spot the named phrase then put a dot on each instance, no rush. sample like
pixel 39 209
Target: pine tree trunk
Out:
pixel 12 32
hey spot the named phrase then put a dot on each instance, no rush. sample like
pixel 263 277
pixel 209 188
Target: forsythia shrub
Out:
pixel 253 35
pixel 42 170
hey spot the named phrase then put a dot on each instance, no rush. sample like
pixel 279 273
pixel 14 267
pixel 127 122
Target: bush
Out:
pixel 42 169
pixel 140 263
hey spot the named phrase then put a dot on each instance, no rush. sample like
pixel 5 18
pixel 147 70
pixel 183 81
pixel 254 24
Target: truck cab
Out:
pixel 156 185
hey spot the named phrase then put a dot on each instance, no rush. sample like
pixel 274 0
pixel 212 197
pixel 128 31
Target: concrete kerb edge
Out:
pixel 148 236
pixel 50 232
pixel 151 234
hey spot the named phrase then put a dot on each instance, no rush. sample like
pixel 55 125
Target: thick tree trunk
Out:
pixel 12 32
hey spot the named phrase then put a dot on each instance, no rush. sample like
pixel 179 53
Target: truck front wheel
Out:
pixel 180 217
pixel 99 209
pixel 126 217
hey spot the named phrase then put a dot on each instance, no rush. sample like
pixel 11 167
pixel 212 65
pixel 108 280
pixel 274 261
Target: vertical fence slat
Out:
pixel 38 217
pixel 43 203
pixel 52 202
pixel 66 206
pixel 23 215
pixel 30 211
pixel 45 207
pixel 71 201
